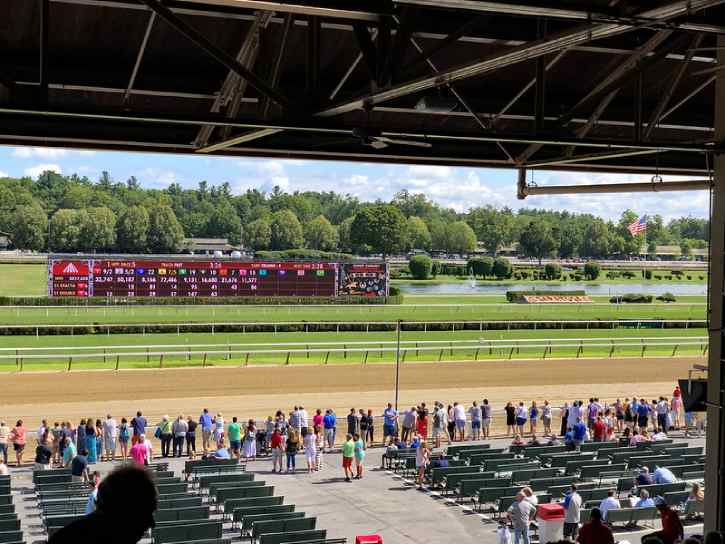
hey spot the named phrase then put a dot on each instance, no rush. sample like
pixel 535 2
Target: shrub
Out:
pixel 575 267
pixel 667 297
pixel 658 277
pixel 701 277
pixel 689 277
pixel 592 270
pixel 677 273
pixel 612 274
pixel 577 277
pixel 395 273
pixel 524 274
pixel 631 298
pixel 394 291
pixel 668 278
pixel 420 266
pixel 481 266
pixel 648 274
pixel 628 274
pixel 502 268
pixel 552 271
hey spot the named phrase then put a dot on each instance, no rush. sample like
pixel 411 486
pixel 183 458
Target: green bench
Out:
pixel 505 502
pixel 697 475
pixel 509 465
pixel 10 525
pixel 439 474
pixel 694 508
pixel 186 501
pixel 48 477
pixel 226 493
pixel 659 489
pixel 187 532
pixel 491 495
pixel 573 466
pixel 248 521
pixel 55 523
pixel 230 505
pixel 241 514
pixel 596 471
pixel 541 484
pixel 7 508
pixel 205 481
pixel 293 537
pixel 7 537
pixel 538 451
pixel 647 460
pixel 681 469
pixel 452 480
pixel 284 525
pixel 454 449
pixel 676 498
pixel 467 454
pixel 482 458
pixel 6 499
pixel 200 467
pixel 520 476
pixel 594 494
pixel 469 488
pixel 560 460
pixel 597 446
pixel 180 514
pixel 625 484
pixel 167 489
pixel 632 516
pixel 3 517
pixel 67 486
pixel 41 474
pixel 215 487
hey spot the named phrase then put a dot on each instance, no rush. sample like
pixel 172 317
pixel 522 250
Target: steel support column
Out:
pixel 715 459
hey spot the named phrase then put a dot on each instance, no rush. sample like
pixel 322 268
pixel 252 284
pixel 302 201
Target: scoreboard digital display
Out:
pixel 123 278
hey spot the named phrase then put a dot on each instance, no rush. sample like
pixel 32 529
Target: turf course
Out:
pixel 444 344
pixel 23 280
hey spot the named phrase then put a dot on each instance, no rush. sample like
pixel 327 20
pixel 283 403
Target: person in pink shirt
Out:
pixel 317 419
pixel 138 451
pixel 676 409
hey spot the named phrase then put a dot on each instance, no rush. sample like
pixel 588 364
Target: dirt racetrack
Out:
pixel 259 391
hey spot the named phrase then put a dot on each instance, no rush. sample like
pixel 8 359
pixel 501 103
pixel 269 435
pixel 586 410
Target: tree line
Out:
pixel 73 213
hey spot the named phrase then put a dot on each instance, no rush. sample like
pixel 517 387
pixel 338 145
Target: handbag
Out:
pixel 157 432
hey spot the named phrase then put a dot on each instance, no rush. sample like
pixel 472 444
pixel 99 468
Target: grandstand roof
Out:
pixel 628 82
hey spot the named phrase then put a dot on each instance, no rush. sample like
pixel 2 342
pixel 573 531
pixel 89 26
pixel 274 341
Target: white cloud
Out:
pixel 158 178
pixel 46 152
pixel 3 174
pixel 35 171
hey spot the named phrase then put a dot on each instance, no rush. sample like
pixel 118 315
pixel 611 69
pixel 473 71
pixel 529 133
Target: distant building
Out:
pixel 5 240
pixel 207 246
pixel 673 252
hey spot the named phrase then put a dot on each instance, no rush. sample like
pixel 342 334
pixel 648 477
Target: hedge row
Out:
pixel 395 298
pixel 304 254
pixel 518 296
pixel 317 327
pixel 631 298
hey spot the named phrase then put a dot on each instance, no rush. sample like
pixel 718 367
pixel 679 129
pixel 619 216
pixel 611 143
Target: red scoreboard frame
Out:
pixel 124 277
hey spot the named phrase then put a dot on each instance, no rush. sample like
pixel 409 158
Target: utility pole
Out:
pixel 397 365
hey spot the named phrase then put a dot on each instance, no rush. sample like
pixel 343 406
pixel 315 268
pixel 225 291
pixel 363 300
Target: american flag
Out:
pixel 640 225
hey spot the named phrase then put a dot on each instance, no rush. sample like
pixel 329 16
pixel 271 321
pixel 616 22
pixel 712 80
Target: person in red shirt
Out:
pixel 672 529
pixel 594 531
pixel 277 446
pixel 600 430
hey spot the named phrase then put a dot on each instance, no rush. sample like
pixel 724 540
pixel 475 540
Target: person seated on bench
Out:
pixel 644 477
pixel 594 531
pixel 79 467
pixel 534 441
pixel 125 509
pixel 609 503
pixel 672 529
pixel 696 493
pixel 517 441
pixel 569 439
pixel 644 500
pixel 658 436
pixel 222 452
pixel 663 475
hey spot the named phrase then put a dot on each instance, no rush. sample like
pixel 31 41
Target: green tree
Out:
pixel 132 230
pixel 64 231
pixel 570 239
pixel 225 223
pixel 632 244
pixel 596 240
pixel 461 238
pixel 552 271
pixel 494 228
pixel 438 235
pixel 381 227
pixel 165 232
pixel 286 231
pixel 321 234
pixel 652 250
pixel 30 224
pixel 538 240
pixel 418 236
pixel 592 270
pixel 97 229
pixel 480 266
pixel 502 268
pixel 420 266
pixel 685 247
pixel 344 235
pixel 258 234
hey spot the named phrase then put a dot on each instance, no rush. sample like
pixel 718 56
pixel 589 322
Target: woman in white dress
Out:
pixel 249 447
pixel 310 445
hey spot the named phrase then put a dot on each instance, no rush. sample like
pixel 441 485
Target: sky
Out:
pixel 454 187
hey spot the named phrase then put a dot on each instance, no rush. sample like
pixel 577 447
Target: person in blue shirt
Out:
pixel 663 475
pixel 580 432
pixel 330 424
pixel 642 413
pixel 205 422
pixel 390 420
pixel 222 452
pixel 644 500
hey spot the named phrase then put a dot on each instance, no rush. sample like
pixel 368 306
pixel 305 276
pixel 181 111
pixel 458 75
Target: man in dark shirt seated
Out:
pixel 79 467
pixel 125 508
pixel 644 477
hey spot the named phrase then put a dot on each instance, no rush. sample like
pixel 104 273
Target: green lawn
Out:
pixel 447 299
pixel 370 343
pixel 216 314
pixel 23 280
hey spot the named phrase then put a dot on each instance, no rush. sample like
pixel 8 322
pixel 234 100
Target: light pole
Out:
pixel 397 364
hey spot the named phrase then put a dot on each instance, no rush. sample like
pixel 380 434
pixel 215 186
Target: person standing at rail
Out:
pixel 179 430
pixel 110 434
pixel 475 413
pixel 139 425
pixel 206 428
pixel 390 423
pixel 486 418
pixel 191 437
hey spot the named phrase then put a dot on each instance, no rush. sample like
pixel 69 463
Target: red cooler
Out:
pixel 368 539
pixel 551 522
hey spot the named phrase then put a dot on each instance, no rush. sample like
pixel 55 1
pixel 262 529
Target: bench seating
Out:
pixel 168 489
pixel 186 501
pixel 491 495
pixel 179 514
pixel 293 537
pixel 505 502
pixel 230 505
pixel 284 525
pixel 675 498
pixel 11 537
pixel 10 525
pixel 216 486
pixel 632 516
pixel 595 471
pixel 559 490
pixel 469 488
pixel 560 460
pixel 240 514
pixel 659 489
pixel 439 474
pixel 527 474
pixel 509 465
pixel 540 484
pixel 455 449
pixel 187 532
pixel 226 493
pixel 205 481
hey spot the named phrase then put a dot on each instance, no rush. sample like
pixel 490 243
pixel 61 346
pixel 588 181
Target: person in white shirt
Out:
pixel 41 430
pixel 521 418
pixel 149 450
pixel 529 496
pixel 303 418
pixel 610 503
pixel 460 414
pixel 110 433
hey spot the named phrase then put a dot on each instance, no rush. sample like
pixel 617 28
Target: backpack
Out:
pixel 123 434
